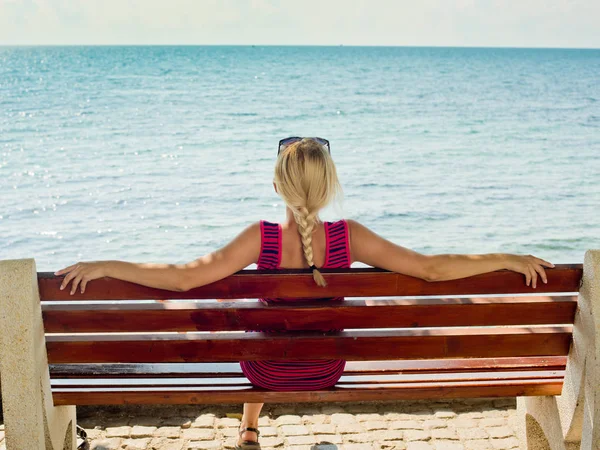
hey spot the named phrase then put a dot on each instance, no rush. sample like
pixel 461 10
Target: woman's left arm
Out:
pixel 238 254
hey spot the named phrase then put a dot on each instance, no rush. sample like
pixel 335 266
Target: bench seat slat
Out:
pixel 355 345
pixel 212 370
pixel 345 380
pixel 373 392
pixel 234 316
pixel 356 282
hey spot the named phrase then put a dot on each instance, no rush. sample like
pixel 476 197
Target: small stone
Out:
pixel 495 413
pixel 172 444
pixel 416 435
pixel 264 421
pixel 371 425
pixel 396 416
pixel 229 432
pixel 342 419
pixel 118 432
pixel 268 431
pixel 315 418
pixel 106 444
pixel 359 437
pixel 447 414
pixel 300 440
pixel 136 444
pixel 472 433
pixel 463 422
pixel 478 444
pixel 157 442
pixel 328 438
pixel 388 435
pixel 492 422
pixel 168 432
pixel 444 433
pixel 178 421
pixel 448 445
pixel 434 423
pixel 405 425
pixel 199 434
pixel 226 422
pixel 294 430
pixel 288 420
pixel 359 447
pixel 472 415
pixel 139 431
pixel 271 442
pixel 204 445
pixel 204 422
pixel 393 445
pixel 499 432
pixel 350 428
pixel 367 417
pixel 92 434
pixel 419 445
pixel 505 444
pixel 325 428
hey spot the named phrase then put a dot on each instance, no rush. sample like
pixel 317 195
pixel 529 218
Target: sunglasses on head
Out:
pixel 284 143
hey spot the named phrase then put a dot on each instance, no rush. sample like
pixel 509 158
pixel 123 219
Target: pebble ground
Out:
pixel 469 424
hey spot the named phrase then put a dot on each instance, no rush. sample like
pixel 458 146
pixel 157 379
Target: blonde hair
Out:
pixel 307 181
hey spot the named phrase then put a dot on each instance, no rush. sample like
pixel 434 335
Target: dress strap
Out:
pixel 270 245
pixel 338 247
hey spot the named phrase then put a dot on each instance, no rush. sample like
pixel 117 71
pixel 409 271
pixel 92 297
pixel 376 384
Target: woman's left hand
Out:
pixel 82 272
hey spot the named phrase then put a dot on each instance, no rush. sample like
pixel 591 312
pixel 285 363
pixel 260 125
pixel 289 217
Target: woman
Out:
pixel 306 179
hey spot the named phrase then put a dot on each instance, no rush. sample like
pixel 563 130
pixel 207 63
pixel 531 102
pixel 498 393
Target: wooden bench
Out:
pixel 485 336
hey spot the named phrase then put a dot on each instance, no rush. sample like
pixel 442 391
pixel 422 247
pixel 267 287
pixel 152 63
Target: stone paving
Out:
pixel 466 424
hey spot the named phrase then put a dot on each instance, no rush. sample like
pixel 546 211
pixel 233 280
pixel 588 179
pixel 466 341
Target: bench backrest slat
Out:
pixel 234 316
pixel 300 284
pixel 355 345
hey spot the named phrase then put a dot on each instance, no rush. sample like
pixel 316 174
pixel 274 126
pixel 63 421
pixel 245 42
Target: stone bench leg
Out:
pixel 571 421
pixel 31 420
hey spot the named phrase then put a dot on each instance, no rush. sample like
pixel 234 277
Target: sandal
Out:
pixel 248 445
pixel 82 441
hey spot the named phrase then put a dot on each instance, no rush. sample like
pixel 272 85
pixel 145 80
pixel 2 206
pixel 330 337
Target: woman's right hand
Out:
pixel 530 266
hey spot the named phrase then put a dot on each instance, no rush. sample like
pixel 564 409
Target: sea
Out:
pixel 166 153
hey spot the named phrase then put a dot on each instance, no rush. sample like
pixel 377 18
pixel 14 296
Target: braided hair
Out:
pixel 307 181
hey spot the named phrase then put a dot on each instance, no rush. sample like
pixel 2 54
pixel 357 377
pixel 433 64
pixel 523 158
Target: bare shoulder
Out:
pixel 358 235
pixel 368 247
pixel 252 231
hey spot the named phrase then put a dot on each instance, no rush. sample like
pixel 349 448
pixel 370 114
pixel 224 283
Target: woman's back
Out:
pixel 281 249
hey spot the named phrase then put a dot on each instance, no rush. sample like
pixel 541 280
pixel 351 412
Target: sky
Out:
pixel 486 23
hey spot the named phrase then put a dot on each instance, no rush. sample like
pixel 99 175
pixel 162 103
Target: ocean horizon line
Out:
pixel 303 45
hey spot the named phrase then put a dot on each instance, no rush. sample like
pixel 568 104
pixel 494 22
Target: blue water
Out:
pixel 163 154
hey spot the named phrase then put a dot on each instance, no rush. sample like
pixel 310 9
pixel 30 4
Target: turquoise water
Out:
pixel 165 153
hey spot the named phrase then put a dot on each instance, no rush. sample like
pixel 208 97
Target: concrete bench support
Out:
pixel 572 420
pixel 30 418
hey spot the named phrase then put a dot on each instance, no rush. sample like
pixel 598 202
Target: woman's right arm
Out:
pixel 373 250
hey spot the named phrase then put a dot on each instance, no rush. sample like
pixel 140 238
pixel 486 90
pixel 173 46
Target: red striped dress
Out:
pixel 309 374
